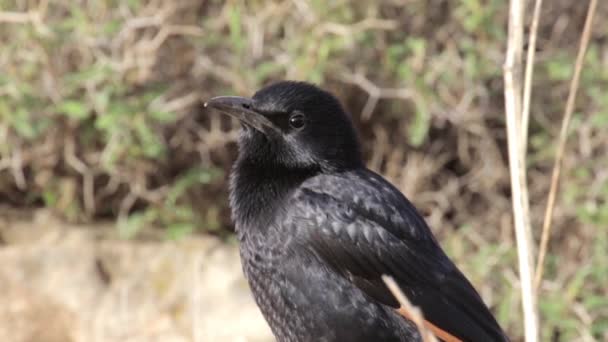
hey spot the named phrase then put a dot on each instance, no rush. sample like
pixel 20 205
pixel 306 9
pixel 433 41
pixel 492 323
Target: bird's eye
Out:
pixel 297 121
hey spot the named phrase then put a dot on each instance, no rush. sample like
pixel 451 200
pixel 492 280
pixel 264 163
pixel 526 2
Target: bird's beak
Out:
pixel 240 108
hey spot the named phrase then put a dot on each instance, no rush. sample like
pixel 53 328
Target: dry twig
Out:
pixel 525 117
pixel 528 76
pixel 512 76
pixel 412 312
pixel 563 136
pixel 376 93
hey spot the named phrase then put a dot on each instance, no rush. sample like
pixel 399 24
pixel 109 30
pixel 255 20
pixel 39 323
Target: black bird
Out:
pixel 317 230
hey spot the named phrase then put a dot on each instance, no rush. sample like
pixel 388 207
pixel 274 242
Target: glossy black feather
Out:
pixel 317 230
pixel 370 229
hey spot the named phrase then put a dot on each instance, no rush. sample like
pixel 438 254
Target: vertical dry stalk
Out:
pixel 525 116
pixel 412 311
pixel 528 76
pixel 512 76
pixel 563 136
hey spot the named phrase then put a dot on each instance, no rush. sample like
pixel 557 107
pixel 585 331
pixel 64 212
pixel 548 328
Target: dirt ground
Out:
pixel 64 283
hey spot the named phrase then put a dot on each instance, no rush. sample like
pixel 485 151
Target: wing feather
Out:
pixel 362 245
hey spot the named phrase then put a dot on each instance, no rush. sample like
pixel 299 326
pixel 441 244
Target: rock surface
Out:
pixel 63 283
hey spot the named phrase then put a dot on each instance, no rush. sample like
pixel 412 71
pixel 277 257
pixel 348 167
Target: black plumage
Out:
pixel 317 230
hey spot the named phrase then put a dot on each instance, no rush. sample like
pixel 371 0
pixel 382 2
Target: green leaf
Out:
pixel 193 177
pixel 129 227
pixel 73 109
pixel 49 197
pixel 419 128
pixel 22 124
pixel 177 231
pixel 236 36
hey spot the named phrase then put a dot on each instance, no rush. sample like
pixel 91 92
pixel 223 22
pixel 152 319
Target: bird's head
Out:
pixel 295 125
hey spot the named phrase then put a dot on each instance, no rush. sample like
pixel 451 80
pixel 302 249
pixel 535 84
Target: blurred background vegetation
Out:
pixel 101 118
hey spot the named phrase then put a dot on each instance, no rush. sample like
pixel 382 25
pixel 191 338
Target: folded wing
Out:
pixel 362 245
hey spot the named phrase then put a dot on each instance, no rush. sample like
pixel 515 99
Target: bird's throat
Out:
pixel 259 190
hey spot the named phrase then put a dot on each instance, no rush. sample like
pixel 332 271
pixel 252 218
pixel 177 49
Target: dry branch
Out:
pixel 563 136
pixel 411 311
pixel 528 76
pixel 512 76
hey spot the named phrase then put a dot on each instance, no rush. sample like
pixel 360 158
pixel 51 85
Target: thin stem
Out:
pixel 528 76
pixel 563 137
pixel 512 76
pixel 412 312
pixel 525 119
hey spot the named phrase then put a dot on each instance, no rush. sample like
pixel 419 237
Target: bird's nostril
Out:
pixel 246 106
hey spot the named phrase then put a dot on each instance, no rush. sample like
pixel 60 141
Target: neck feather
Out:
pixel 258 190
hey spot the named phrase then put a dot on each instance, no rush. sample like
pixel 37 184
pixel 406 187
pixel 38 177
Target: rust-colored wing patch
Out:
pixel 440 333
